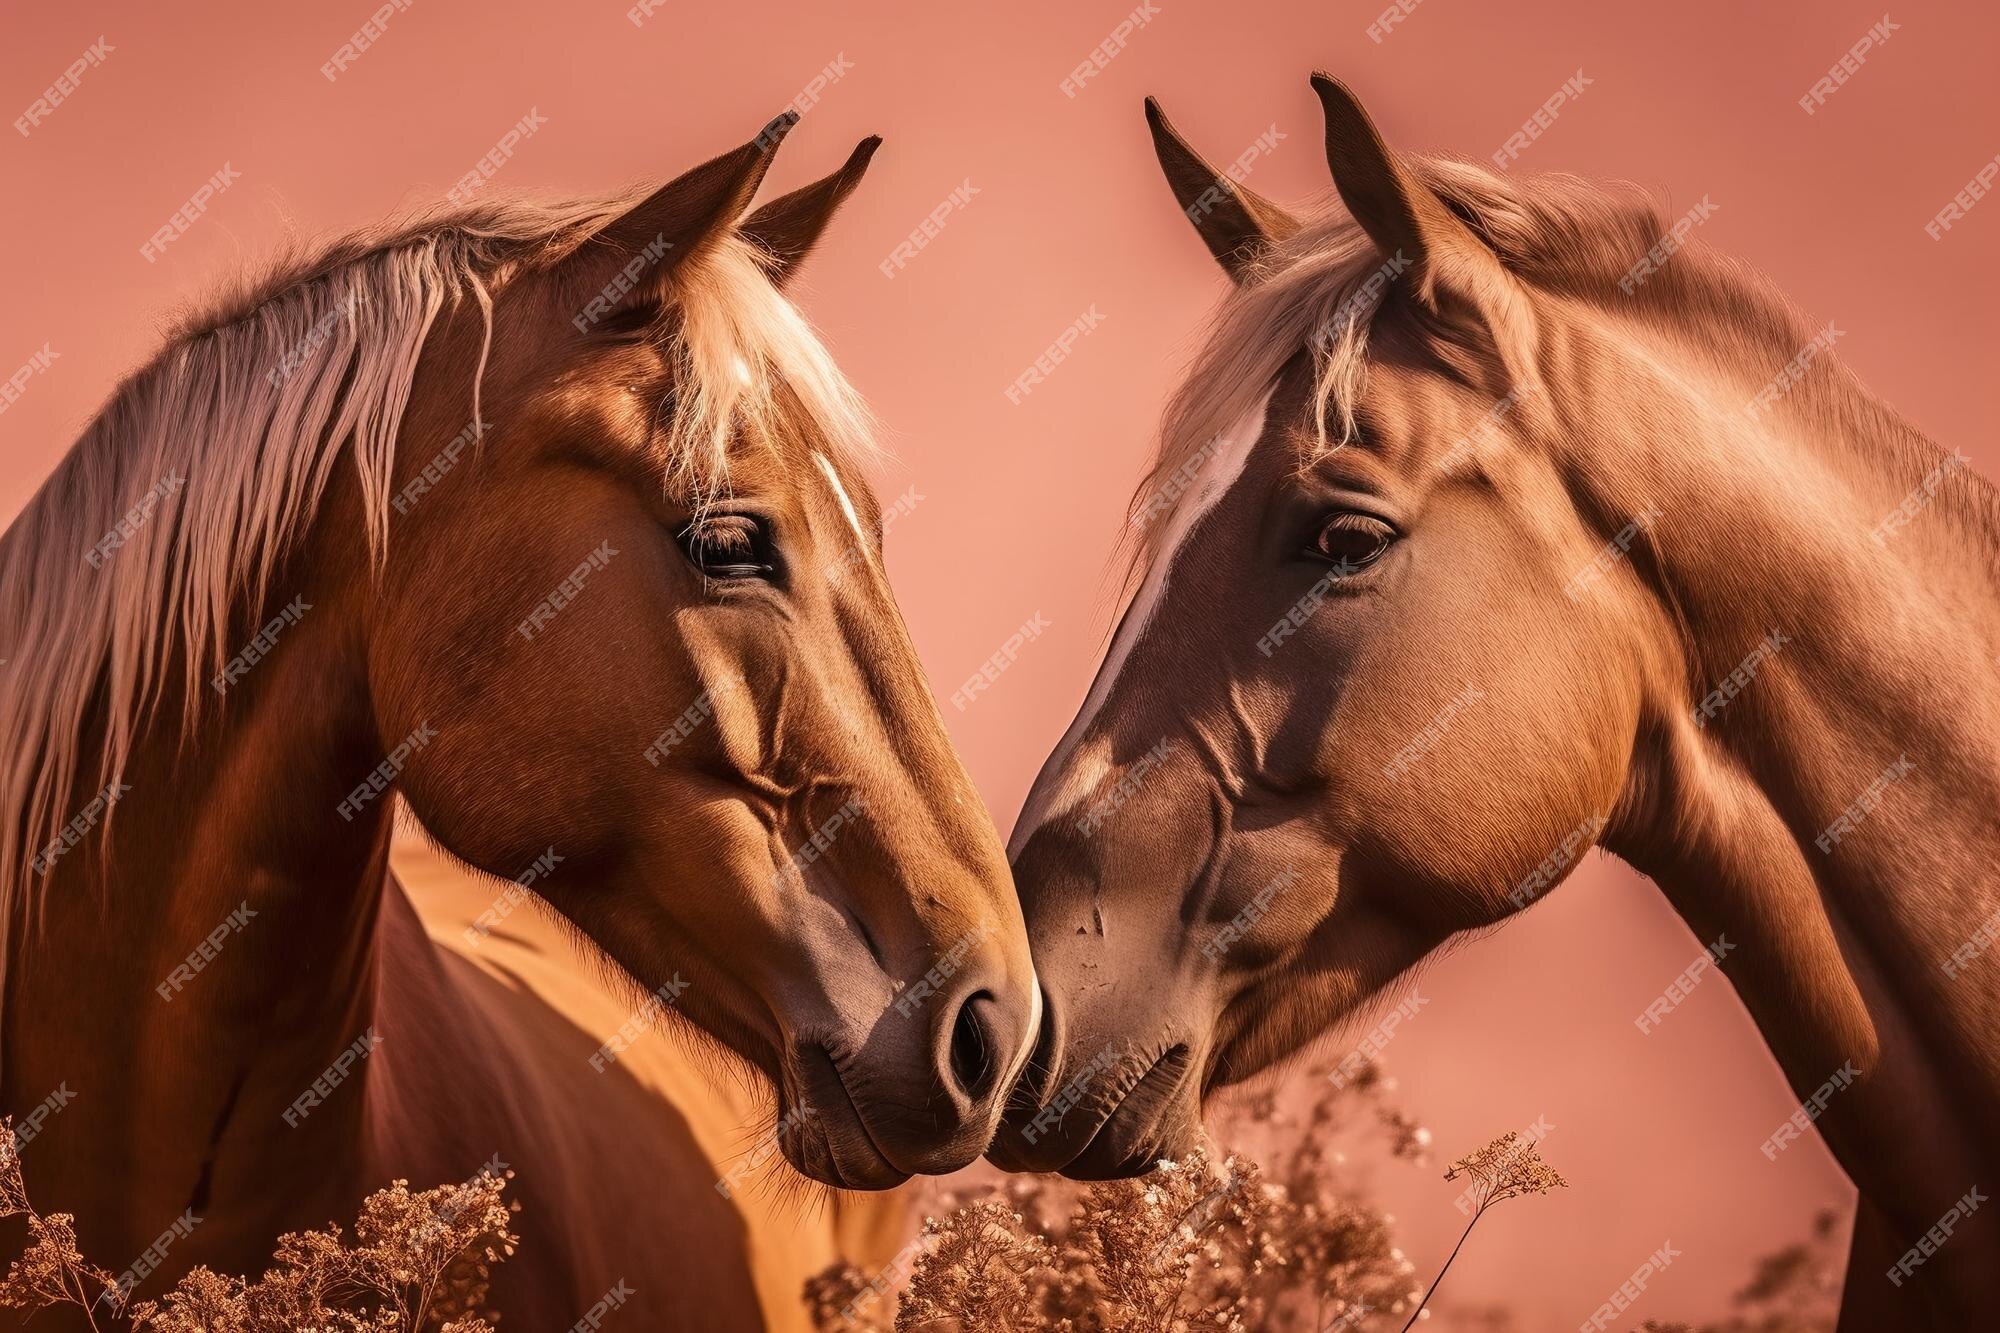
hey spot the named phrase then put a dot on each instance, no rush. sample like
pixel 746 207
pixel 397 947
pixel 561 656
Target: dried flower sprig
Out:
pixel 1504 1169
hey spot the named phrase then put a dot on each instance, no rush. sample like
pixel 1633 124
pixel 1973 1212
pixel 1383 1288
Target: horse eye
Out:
pixel 728 546
pixel 1352 542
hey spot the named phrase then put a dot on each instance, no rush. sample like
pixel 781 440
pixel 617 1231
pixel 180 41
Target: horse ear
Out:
pixel 790 226
pixel 1235 224
pixel 1403 216
pixel 675 220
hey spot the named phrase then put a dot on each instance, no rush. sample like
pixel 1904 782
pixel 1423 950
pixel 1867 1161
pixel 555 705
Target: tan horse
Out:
pixel 627 641
pixel 1487 528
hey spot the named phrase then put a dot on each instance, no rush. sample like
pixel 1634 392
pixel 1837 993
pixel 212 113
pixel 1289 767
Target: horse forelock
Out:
pixel 170 514
pixel 1319 290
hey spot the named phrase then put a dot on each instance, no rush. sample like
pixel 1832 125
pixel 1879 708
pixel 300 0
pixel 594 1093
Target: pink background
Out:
pixel 1658 1134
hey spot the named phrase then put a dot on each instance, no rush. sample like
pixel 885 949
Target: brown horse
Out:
pixel 548 520
pixel 1482 531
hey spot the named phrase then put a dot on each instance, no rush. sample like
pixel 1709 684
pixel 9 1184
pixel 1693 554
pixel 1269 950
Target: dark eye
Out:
pixel 728 546
pixel 1351 542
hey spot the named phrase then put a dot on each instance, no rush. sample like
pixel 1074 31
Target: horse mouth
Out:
pixel 842 1152
pixel 1129 1134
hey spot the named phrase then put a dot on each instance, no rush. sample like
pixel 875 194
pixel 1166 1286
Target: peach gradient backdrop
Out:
pixel 1022 503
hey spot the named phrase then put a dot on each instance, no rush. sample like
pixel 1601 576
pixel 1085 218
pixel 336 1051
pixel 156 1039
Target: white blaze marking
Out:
pixel 1078 774
pixel 840 493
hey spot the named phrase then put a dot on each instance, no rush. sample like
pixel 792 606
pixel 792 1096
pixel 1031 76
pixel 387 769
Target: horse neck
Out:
pixel 183 983
pixel 1825 823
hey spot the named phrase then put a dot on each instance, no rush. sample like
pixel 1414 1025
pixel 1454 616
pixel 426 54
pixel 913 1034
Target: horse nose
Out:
pixel 972 1051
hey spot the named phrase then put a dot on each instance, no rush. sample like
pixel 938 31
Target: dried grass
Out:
pixel 416 1263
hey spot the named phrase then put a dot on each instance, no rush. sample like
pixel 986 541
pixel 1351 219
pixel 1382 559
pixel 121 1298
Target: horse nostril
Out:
pixel 973 1066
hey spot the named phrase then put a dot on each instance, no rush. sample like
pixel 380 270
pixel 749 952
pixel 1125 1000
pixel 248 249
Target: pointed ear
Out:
pixel 625 261
pixel 790 226
pixel 1403 216
pixel 1236 225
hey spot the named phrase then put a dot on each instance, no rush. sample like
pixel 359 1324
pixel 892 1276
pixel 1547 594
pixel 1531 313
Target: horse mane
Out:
pixel 175 506
pixel 1556 231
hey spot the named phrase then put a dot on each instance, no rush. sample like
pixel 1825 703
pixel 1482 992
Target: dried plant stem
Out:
pixel 1418 1313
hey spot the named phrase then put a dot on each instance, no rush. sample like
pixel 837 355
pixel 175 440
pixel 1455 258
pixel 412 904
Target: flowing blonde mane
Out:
pixel 172 511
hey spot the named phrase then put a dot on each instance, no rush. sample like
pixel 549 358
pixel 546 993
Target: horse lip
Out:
pixel 1175 1054
pixel 826 1091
